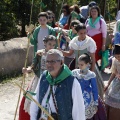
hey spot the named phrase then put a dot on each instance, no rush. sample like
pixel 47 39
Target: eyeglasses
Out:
pixel 42 20
pixel 50 17
pixel 52 61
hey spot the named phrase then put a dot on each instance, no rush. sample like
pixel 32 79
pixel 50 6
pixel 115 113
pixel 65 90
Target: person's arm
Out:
pixel 94 90
pixel 68 53
pixel 33 40
pixel 118 15
pixel 33 106
pixel 103 43
pixel 104 33
pixel 78 110
pixel 92 48
pixel 67 39
pixel 113 75
pixel 92 55
pixel 109 81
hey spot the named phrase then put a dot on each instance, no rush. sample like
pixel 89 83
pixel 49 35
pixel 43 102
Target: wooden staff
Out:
pixel 40 7
pixel 23 80
pixel 27 94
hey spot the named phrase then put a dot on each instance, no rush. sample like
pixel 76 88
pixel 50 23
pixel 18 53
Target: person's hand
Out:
pixel 118 76
pixel 96 108
pixel 111 35
pixel 67 39
pixel 29 69
pixel 24 70
pixel 103 47
pixel 59 48
pixel 39 53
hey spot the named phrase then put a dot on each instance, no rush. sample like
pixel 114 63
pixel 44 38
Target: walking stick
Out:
pixel 27 94
pixel 59 25
pixel 23 80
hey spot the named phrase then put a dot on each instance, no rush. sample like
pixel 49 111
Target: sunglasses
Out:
pixel 50 17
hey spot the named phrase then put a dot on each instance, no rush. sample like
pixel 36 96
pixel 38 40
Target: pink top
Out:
pixel 100 27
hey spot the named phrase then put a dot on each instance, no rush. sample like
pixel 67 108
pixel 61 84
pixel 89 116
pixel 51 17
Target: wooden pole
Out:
pixel 104 8
pixel 41 6
pixel 118 5
pixel 30 96
pixel 23 80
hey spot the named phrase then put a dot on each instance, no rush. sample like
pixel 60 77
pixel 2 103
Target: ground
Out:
pixel 9 95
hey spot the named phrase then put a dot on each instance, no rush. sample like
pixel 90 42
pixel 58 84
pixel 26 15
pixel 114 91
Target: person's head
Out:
pixel 116 52
pixel 76 9
pixel 84 61
pixel 73 24
pixel 42 18
pixel 91 4
pixel 66 9
pixel 51 16
pixel 54 62
pixel 49 42
pixel 71 8
pixel 81 31
pixel 94 12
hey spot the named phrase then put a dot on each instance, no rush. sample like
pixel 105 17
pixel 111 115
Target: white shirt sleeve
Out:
pixel 33 106
pixel 92 46
pixel 118 15
pixel 78 111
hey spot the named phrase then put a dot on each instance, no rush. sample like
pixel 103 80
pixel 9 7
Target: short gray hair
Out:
pixel 56 52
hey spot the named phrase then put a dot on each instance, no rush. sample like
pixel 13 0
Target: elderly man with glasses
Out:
pixel 58 92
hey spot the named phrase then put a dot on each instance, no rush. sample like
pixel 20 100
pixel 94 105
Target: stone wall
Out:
pixel 12 55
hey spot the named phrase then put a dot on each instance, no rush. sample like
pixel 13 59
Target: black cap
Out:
pixel 116 49
pixel 92 3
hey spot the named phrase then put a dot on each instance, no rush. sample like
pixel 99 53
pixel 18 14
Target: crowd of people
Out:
pixel 67 79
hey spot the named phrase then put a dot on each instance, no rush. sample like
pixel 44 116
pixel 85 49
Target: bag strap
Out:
pixel 53 97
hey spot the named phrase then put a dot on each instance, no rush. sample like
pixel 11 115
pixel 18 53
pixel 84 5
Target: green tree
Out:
pixel 7 20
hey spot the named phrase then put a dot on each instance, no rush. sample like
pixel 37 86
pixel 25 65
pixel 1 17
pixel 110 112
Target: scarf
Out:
pixel 95 22
pixel 71 35
pixel 50 24
pixel 65 72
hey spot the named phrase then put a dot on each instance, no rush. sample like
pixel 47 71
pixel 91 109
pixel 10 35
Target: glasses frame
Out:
pixel 52 61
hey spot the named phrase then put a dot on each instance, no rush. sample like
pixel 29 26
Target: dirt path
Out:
pixel 8 98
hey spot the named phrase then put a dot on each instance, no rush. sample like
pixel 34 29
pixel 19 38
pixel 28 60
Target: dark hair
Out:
pixel 85 57
pixel 43 14
pixel 80 27
pixel 116 49
pixel 74 23
pixel 76 9
pixel 49 12
pixel 94 7
pixel 49 38
pixel 67 8
pixel 92 3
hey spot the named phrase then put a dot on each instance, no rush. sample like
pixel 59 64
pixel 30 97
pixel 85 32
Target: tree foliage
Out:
pixel 17 12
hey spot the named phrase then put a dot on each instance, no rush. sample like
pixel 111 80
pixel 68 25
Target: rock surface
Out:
pixel 13 54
